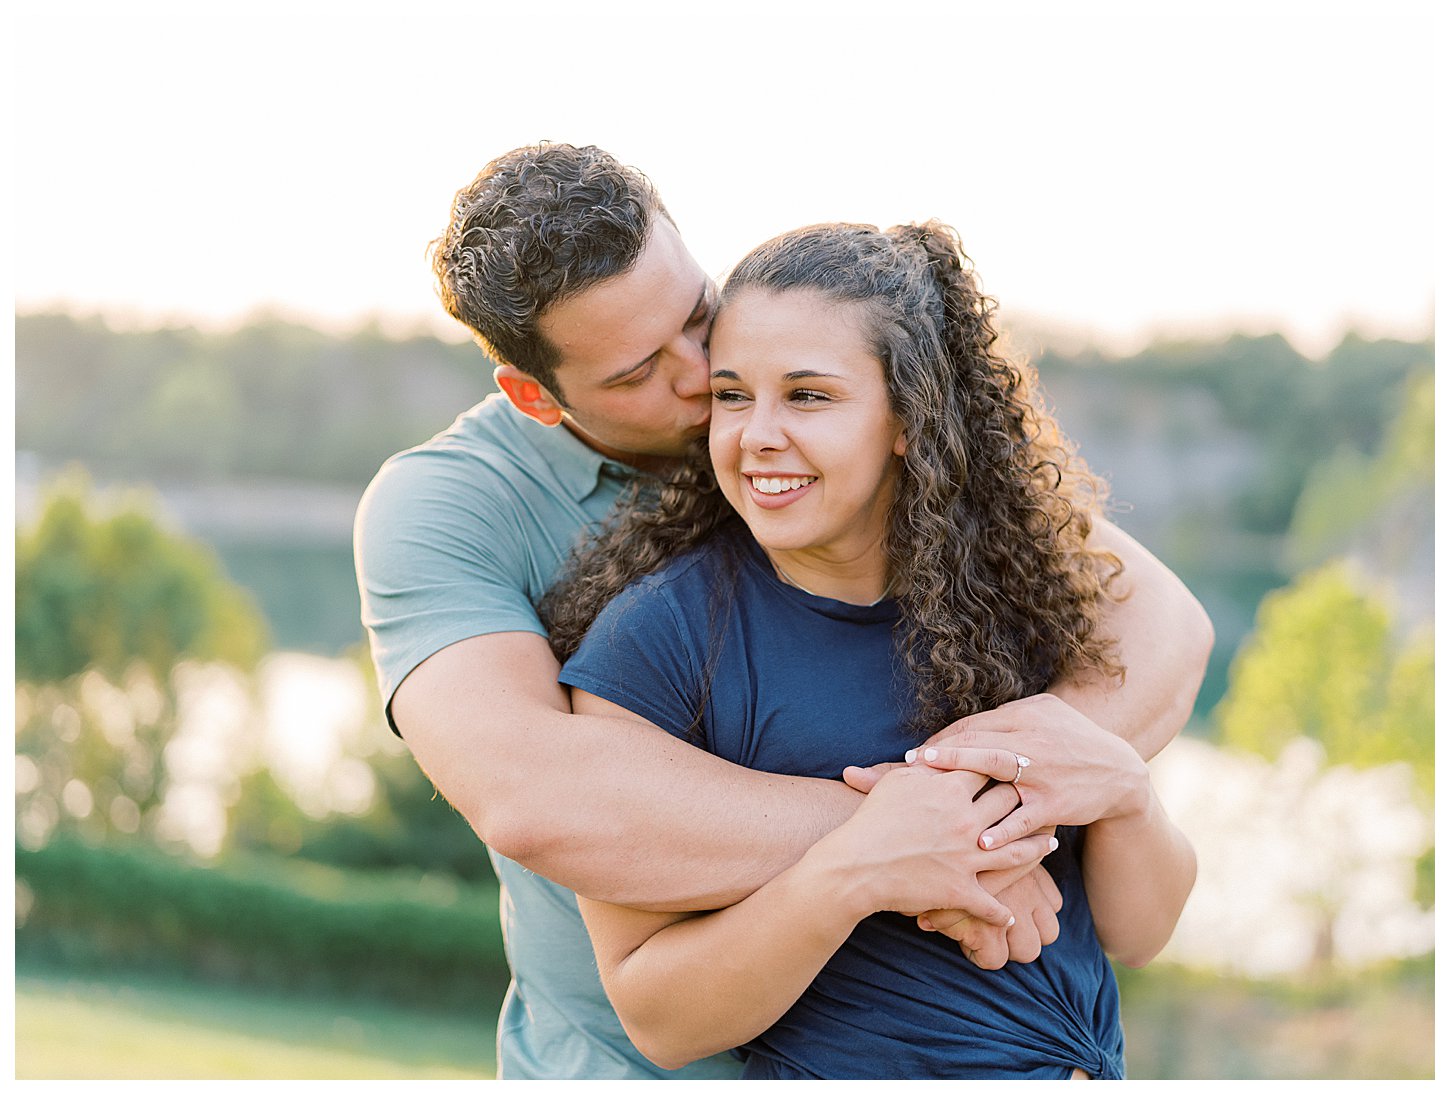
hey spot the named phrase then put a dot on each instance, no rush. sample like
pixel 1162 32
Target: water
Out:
pixel 307 592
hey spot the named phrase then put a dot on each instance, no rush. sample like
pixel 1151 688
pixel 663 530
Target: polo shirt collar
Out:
pixel 575 464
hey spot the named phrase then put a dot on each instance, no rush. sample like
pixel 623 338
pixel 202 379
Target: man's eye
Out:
pixel 637 378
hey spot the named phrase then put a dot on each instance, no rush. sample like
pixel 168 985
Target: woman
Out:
pixel 893 536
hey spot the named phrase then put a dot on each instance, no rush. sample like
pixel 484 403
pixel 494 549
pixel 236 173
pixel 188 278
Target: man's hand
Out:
pixel 1035 902
pixel 1076 772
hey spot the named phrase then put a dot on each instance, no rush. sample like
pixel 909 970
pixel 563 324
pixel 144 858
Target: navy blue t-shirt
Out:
pixel 805 685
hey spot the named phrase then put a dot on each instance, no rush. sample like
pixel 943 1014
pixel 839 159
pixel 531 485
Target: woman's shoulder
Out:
pixel 684 580
pixel 682 588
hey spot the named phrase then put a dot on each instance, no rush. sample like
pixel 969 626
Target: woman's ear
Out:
pixel 899 445
pixel 527 395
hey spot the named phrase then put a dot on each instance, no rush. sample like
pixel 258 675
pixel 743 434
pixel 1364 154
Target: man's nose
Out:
pixel 692 367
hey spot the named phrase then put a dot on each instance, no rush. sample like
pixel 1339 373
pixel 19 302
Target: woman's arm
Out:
pixel 686 986
pixel 1138 869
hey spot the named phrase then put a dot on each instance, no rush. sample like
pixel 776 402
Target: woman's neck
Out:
pixel 857 581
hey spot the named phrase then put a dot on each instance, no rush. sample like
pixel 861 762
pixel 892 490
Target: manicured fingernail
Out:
pixel 931 754
pixel 1052 843
pixel 986 842
pixel 1011 920
pixel 910 755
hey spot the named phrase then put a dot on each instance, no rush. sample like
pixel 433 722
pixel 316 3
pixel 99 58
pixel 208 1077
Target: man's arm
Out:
pixel 613 809
pixel 1164 638
pixel 687 986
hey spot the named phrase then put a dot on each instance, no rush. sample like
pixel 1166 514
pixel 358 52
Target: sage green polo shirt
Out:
pixel 460 537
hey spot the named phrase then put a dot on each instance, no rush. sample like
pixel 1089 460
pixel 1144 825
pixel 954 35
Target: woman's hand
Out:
pixel 1027 891
pixel 1072 771
pixel 915 844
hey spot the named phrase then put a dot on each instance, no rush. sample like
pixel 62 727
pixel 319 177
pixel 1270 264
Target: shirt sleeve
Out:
pixel 639 654
pixel 438 561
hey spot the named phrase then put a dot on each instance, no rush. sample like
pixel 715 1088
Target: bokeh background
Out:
pixel 1211 230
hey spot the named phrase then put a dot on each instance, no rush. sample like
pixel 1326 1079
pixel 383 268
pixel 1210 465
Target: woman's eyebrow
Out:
pixel 797 374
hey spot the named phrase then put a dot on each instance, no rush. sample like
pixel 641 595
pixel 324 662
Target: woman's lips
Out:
pixel 778 491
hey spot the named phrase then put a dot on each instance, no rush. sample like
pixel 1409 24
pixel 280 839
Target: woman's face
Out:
pixel 802 435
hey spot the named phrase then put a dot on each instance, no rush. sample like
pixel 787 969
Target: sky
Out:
pixel 1120 174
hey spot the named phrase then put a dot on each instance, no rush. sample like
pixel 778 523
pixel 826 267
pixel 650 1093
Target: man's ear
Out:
pixel 527 395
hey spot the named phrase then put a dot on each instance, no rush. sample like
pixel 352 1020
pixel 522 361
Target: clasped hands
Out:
pixel 1078 773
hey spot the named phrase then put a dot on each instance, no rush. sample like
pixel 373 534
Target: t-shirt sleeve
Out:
pixel 639 654
pixel 438 561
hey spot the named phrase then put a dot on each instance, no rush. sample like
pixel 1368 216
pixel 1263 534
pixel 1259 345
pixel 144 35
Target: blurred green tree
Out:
pixel 1378 508
pixel 107 602
pixel 1324 662
pixel 105 590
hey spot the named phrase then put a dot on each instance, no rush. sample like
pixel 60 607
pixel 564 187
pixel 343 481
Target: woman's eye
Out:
pixel 806 395
pixel 729 395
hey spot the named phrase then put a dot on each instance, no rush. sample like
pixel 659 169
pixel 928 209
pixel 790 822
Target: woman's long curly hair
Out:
pixel 986 538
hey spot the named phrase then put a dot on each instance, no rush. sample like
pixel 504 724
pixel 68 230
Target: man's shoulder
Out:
pixel 481 456
pixel 483 437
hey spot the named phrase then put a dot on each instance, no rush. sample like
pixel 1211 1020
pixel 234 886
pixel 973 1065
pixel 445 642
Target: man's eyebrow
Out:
pixel 620 374
pixel 699 300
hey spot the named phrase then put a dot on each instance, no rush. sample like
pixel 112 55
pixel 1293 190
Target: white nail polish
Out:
pixel 910 755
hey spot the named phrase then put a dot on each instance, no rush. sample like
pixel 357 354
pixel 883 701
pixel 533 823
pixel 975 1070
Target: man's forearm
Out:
pixel 610 807
pixel 630 815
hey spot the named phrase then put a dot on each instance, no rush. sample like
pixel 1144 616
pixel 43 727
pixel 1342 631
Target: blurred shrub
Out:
pixel 412 936
pixel 408 825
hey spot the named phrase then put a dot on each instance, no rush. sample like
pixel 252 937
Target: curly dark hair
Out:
pixel 536 226
pixel 986 538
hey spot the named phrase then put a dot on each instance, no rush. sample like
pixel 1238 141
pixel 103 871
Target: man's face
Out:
pixel 635 368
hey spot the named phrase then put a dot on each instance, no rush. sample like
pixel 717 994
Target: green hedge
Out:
pixel 424 938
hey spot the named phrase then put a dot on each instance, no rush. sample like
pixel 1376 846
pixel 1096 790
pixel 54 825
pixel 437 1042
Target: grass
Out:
pixel 134 1029
pixel 1180 1024
pixel 1374 1024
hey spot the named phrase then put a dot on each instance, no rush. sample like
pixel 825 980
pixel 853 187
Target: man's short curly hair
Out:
pixel 538 225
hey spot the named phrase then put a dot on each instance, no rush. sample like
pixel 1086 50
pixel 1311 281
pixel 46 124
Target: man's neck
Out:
pixel 654 465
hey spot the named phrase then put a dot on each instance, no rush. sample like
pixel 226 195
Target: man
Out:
pixel 573 277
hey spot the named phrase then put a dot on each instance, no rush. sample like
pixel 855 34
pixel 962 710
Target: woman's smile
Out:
pixel 777 491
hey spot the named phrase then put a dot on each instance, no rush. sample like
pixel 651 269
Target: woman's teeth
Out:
pixel 773 485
